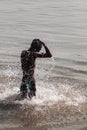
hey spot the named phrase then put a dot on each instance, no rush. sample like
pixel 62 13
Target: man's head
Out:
pixel 36 45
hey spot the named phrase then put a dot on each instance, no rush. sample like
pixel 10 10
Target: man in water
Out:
pixel 28 58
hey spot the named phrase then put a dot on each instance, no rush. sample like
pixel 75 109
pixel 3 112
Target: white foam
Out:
pixel 71 96
pixel 47 94
pixel 8 92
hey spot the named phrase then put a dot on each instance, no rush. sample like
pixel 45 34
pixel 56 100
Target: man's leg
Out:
pixel 23 90
pixel 32 89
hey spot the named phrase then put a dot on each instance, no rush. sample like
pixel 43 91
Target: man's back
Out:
pixel 28 62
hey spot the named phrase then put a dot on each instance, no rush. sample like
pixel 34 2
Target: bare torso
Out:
pixel 28 63
pixel 28 59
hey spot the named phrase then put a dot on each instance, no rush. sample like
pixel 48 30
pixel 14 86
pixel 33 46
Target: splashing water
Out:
pixel 54 96
pixel 48 91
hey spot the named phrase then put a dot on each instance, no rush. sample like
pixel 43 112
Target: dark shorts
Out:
pixel 28 84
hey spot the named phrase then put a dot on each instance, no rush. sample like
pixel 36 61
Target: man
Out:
pixel 28 58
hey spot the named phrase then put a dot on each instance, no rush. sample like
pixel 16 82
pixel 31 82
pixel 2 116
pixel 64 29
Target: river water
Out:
pixel 61 80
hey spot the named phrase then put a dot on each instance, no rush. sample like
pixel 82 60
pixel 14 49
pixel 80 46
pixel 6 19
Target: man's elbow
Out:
pixel 50 55
pixel 47 55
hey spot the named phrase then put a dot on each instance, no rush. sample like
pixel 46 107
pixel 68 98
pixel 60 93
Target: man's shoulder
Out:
pixel 24 53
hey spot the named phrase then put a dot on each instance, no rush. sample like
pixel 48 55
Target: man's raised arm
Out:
pixel 47 53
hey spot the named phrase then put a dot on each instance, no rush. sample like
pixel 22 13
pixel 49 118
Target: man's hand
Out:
pixel 47 53
pixel 42 42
